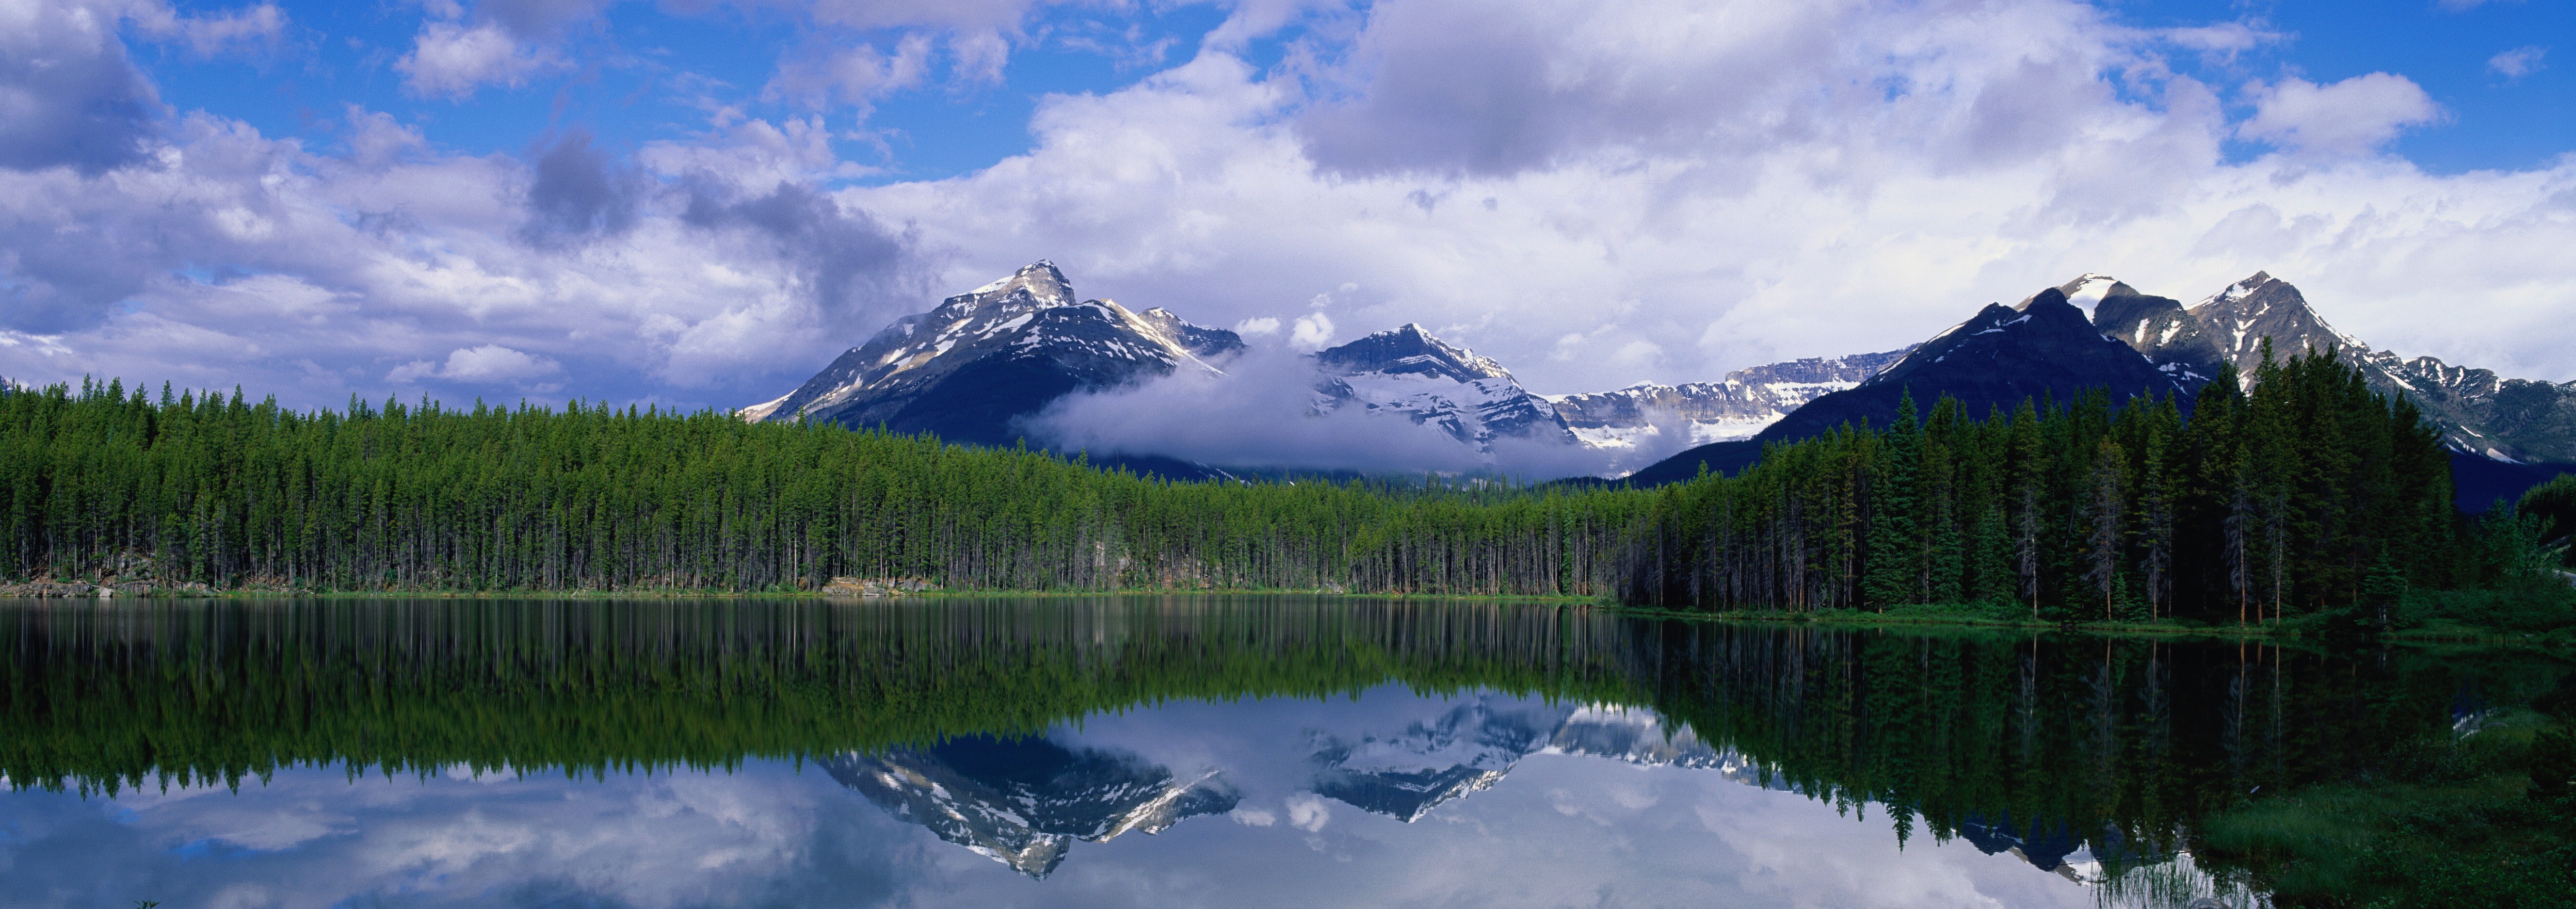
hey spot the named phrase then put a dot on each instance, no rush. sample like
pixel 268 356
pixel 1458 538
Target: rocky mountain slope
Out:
pixel 2503 422
pixel 1408 373
pixel 969 368
pixel 2480 412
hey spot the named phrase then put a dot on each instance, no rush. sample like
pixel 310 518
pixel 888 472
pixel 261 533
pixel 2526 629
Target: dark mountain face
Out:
pixel 2042 349
pixel 2045 348
pixel 983 359
pixel 2173 340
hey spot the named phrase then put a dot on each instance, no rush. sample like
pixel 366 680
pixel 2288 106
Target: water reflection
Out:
pixel 1287 751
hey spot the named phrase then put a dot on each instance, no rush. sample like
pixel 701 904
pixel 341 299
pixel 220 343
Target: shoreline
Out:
pixel 1903 617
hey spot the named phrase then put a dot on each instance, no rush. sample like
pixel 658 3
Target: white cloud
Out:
pixel 2351 117
pixel 1308 813
pixel 1703 185
pixel 1905 166
pixel 248 27
pixel 1253 328
pixel 856 75
pixel 2518 62
pixel 1313 331
pixel 449 60
pixel 487 363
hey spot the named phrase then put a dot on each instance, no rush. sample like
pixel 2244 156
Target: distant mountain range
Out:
pixel 2506 434
pixel 978 366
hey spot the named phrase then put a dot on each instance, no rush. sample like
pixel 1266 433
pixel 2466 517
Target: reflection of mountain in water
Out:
pixel 2050 848
pixel 1470 748
pixel 1024 801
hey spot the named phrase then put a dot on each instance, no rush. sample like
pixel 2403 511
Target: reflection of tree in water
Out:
pixel 2110 748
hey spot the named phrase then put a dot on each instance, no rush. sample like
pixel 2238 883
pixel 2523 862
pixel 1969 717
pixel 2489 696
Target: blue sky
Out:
pixel 643 69
pixel 699 202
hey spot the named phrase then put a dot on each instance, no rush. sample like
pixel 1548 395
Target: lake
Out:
pixel 1152 751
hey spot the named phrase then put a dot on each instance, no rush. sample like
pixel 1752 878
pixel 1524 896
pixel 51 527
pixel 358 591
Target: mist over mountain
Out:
pixel 981 360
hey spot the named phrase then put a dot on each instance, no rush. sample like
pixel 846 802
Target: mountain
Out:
pixel 2480 412
pixel 1736 407
pixel 2508 435
pixel 970 367
pixel 1023 802
pixel 2042 348
pixel 2171 337
pixel 1406 372
pixel 1472 746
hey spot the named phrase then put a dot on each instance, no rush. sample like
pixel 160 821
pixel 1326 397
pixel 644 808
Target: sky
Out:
pixel 698 203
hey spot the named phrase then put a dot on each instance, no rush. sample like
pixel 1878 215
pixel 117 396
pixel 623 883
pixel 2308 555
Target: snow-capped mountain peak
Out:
pixel 1040 278
pixel 1408 349
pixel 2234 292
pixel 1407 372
pixel 980 359
pixel 1734 407
pixel 2088 290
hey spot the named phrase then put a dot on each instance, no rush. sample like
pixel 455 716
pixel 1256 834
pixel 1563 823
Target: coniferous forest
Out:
pixel 2297 493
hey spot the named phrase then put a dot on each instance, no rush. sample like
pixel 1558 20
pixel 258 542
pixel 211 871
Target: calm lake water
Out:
pixel 1141 751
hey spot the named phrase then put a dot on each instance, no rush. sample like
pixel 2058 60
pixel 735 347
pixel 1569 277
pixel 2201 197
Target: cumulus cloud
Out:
pixel 1313 331
pixel 365 270
pixel 847 262
pixel 1684 188
pixel 580 191
pixel 2351 117
pixel 452 60
pixel 857 76
pixel 1922 160
pixel 488 363
pixel 68 94
pixel 2518 62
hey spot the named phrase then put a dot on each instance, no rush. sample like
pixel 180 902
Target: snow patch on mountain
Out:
pixel 1739 406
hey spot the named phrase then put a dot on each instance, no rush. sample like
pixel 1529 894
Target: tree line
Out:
pixel 2295 492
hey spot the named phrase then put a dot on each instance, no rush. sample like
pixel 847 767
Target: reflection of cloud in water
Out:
pixel 1594 806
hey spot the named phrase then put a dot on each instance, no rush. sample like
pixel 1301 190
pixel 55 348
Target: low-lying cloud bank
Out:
pixel 1261 414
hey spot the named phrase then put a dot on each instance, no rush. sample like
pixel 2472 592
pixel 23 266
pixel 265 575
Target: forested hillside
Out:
pixel 2308 493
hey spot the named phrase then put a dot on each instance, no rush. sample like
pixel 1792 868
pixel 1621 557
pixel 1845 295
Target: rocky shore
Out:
pixel 61 590
pixel 877 588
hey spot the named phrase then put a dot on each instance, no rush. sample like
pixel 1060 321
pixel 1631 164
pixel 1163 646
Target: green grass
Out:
pixel 2446 821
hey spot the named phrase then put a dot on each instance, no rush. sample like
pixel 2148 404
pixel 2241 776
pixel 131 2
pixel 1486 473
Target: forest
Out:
pixel 2298 493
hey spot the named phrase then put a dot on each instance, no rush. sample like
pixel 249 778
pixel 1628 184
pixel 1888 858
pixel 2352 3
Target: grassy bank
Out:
pixel 2480 816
